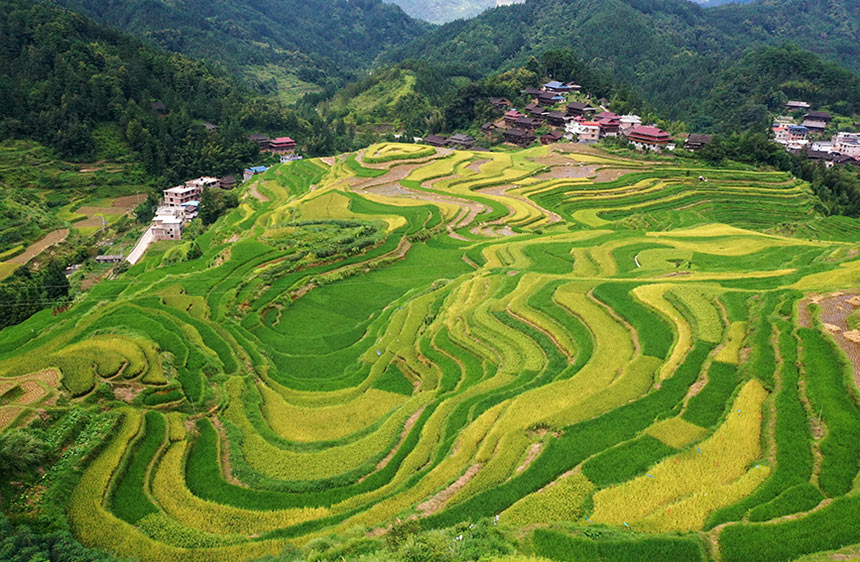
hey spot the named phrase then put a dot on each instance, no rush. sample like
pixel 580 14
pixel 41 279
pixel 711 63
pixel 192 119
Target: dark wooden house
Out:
pixel 520 137
pixel 556 118
pixel 697 142
pixel 436 140
pixel 460 140
pixel 551 137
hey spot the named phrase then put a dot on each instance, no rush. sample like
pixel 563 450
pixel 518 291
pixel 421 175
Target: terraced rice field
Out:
pixel 448 336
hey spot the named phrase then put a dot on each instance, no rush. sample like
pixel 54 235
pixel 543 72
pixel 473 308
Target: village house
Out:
pixel 817 121
pixel 546 98
pixel 795 105
pixel 697 142
pixel 791 136
pixel 629 122
pixel 557 87
pixel 282 145
pixel 110 258
pixel 609 126
pixel 168 224
pixel 551 137
pixel 520 137
pixel 227 182
pixel 262 141
pixel 512 116
pixel 210 127
pixel 826 146
pixel 587 132
pixel 177 196
pixel 436 140
pixel 537 112
pixel 488 128
pixel 501 104
pixel 847 144
pixel 528 123
pixel 292 157
pixel 533 92
pixel 556 118
pixel 649 138
pixel 251 172
pixel 460 140
pixel 579 109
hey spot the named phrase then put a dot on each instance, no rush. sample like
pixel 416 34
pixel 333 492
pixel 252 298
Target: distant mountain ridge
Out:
pixel 444 11
pixel 314 40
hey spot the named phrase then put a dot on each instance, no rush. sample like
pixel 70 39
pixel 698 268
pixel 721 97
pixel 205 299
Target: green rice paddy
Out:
pixel 633 362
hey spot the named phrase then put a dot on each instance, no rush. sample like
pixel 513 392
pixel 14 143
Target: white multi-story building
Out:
pixel 588 132
pixel 168 223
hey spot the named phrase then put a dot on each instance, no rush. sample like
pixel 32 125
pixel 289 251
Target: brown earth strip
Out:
pixel 835 310
pixel 407 427
pixel 225 454
pixel 438 501
pixel 52 239
pixel 533 453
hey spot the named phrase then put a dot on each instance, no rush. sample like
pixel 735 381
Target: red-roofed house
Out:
pixel 649 138
pixel 282 145
pixel 609 127
pixel 512 116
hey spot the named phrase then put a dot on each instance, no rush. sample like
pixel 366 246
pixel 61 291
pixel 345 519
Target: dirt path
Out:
pixel 52 239
pixel 407 427
pixel 256 193
pixel 533 453
pixel 225 454
pixel 438 501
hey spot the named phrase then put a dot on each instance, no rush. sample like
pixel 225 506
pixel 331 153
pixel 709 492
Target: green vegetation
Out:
pixel 382 356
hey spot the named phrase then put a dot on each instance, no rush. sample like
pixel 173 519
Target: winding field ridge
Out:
pixel 409 332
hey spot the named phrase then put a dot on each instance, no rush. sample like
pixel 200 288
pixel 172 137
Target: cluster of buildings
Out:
pixel 574 121
pixel 807 136
pixel 460 140
pixel 181 204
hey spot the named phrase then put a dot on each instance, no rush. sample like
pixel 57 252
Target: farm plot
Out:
pixel 632 361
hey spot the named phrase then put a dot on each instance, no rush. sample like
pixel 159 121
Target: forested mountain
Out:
pixel 830 28
pixel 443 11
pixel 672 51
pixel 62 77
pixel 309 41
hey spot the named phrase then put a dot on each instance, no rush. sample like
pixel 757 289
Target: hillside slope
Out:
pixel 309 41
pixel 671 50
pixel 479 342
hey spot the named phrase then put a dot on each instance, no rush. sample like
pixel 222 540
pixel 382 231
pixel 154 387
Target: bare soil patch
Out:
pixel 127 391
pixel 835 310
pixel 52 239
pixel 475 165
pixel 255 193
